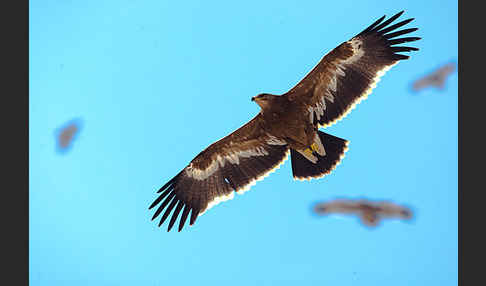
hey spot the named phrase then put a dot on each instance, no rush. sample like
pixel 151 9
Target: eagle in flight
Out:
pixel 436 78
pixel 288 123
pixel 370 212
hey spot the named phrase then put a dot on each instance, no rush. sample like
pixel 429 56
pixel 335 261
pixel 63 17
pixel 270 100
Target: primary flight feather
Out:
pixel 287 123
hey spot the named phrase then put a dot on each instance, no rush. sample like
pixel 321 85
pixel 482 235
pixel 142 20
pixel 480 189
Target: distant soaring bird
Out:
pixel 370 212
pixel 66 134
pixel 436 78
pixel 288 123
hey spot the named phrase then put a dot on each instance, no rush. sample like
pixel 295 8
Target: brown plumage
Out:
pixel 66 134
pixel 370 212
pixel 287 123
pixel 436 78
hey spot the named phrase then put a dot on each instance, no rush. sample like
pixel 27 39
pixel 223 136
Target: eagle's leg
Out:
pixel 303 149
pixel 308 163
pixel 317 146
pixel 313 150
pixel 308 152
pixel 310 145
pixel 314 144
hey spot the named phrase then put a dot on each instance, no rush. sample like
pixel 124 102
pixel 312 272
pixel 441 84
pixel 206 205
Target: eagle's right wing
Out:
pixel 340 206
pixel 348 73
pixel 389 209
pixel 233 163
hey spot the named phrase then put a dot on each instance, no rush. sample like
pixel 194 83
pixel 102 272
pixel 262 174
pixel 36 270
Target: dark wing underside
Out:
pixel 347 74
pixel 233 163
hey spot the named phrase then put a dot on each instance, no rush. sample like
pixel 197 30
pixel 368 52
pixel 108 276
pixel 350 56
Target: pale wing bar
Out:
pixel 355 68
pixel 197 189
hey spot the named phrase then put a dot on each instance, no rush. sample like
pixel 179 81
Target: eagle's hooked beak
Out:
pixel 253 99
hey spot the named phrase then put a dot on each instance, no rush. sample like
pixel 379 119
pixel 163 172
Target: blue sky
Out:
pixel 155 82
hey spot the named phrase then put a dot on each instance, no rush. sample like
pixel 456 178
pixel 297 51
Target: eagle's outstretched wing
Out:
pixel 233 163
pixel 347 74
pixel 342 206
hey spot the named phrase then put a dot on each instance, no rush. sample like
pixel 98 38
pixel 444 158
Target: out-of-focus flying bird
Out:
pixel 66 134
pixel 436 78
pixel 288 123
pixel 370 212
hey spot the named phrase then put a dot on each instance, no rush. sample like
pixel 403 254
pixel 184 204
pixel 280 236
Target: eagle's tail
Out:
pixel 335 148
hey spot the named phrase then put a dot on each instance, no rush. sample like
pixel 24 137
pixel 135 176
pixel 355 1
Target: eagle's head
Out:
pixel 263 99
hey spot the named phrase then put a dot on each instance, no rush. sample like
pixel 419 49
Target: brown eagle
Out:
pixel 288 123
pixel 66 134
pixel 436 78
pixel 370 212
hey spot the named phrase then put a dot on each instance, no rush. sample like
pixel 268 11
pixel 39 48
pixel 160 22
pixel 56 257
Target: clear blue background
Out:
pixel 155 82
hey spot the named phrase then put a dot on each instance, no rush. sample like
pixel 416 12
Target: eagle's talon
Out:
pixel 308 152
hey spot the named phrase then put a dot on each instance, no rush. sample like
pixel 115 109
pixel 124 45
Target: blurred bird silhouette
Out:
pixel 66 134
pixel 435 79
pixel 369 212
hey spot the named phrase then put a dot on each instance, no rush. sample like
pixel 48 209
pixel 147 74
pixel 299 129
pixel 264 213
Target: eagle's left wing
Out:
pixel 233 163
pixel 347 74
